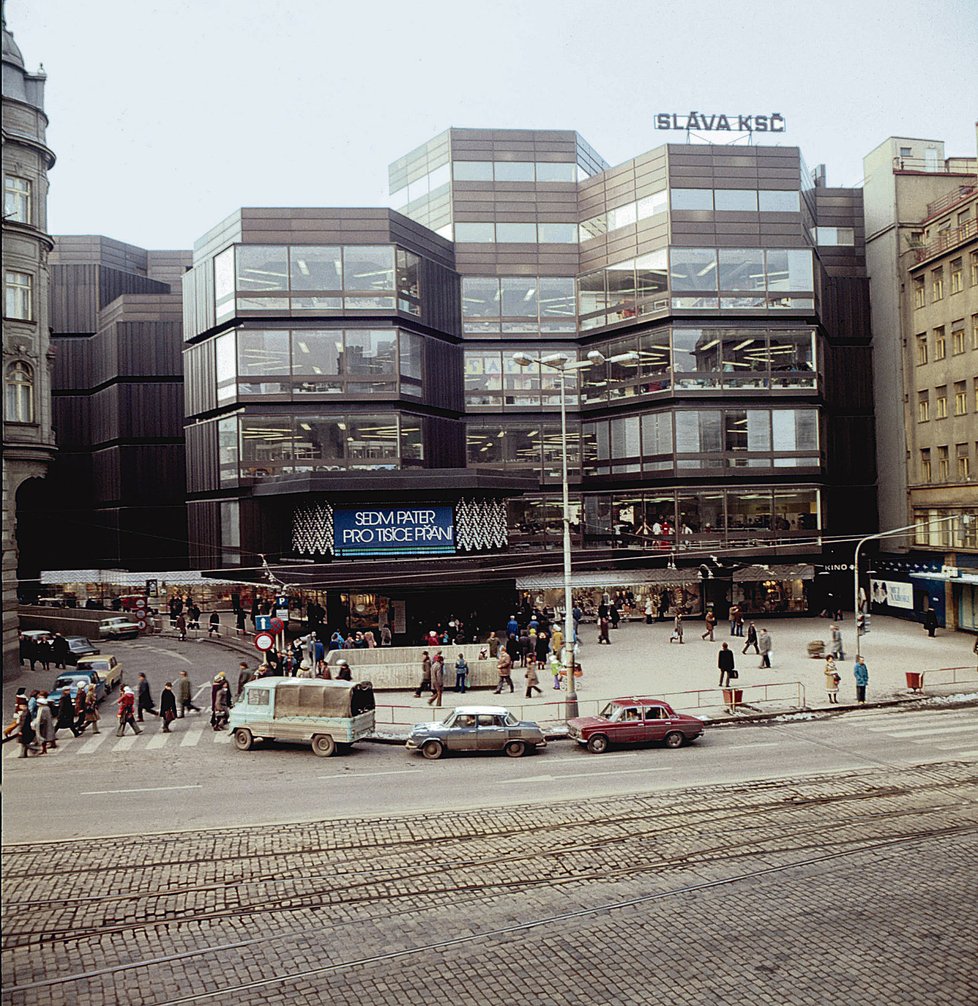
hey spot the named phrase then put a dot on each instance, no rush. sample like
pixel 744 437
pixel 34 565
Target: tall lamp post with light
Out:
pixel 561 364
pixel 895 532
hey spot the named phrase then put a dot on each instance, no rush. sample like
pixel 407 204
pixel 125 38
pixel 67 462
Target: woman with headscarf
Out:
pixel 91 708
pixel 25 735
pixel 127 704
pixel 80 708
pixel 43 725
pixel 66 712
pixel 220 702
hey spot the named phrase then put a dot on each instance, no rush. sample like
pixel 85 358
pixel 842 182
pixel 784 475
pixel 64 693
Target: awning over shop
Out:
pixel 948 577
pixel 597 578
pixel 125 578
pixel 786 571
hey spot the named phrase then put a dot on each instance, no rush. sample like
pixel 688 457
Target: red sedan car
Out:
pixel 634 719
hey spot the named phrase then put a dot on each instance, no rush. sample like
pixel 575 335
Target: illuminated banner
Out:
pixel 892 593
pixel 380 531
pixel 703 123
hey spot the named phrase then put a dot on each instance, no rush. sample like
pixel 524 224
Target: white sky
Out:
pixel 166 115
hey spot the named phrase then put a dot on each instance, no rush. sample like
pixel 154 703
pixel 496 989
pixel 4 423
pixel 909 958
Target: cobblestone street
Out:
pixel 844 888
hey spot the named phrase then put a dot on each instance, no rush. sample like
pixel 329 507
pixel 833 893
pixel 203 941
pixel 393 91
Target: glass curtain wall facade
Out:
pixel 725 270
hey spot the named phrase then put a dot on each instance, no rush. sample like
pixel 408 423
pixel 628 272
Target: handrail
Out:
pixel 945 241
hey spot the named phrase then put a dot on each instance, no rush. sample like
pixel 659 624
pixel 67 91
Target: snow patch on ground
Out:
pixel 793 717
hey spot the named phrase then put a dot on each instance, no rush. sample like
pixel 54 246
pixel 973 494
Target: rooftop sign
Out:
pixel 701 122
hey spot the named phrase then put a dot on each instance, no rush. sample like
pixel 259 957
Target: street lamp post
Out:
pixel 560 363
pixel 892 533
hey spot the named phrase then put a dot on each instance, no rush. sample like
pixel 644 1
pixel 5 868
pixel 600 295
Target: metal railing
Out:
pixel 957 675
pixel 955 196
pixel 946 240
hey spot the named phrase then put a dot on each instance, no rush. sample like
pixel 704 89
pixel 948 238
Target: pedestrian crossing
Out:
pixel 942 730
pixel 107 741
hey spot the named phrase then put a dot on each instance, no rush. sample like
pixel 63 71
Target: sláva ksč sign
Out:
pixel 701 122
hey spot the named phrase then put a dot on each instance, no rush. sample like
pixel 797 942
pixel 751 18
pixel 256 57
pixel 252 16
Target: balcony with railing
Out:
pixel 945 241
pixel 938 206
pixel 932 166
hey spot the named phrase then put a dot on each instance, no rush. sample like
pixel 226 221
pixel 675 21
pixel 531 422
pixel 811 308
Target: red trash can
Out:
pixel 733 697
pixel 915 681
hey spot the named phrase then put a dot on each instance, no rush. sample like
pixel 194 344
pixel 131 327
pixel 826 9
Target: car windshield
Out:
pixel 510 720
pixel 609 711
pixel 68 683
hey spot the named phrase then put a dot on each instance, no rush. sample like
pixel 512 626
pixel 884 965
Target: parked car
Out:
pixel 80 646
pixel 109 669
pixel 36 635
pixel 83 678
pixel 477 728
pixel 635 719
pixel 117 628
pixel 324 714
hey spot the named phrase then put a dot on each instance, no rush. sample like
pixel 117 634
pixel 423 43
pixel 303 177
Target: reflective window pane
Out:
pixel 556 296
pixel 741 200
pixel 317 352
pixel 519 297
pixel 742 269
pixel 372 441
pixel 262 267
pixel 266 446
pixel 651 275
pixel 316 268
pixel 320 443
pixel 693 268
pixel 368 267
pixel 472 171
pixel 773 201
pixel 592 292
pixel 263 353
pixel 224 275
pixel 789 269
pixel 651 205
pixel 480 297
pixel 475 232
pixel 692 199
pixel 557 233
pixel 516 233
pixel 556 172
pixel 513 171
pixel 483 377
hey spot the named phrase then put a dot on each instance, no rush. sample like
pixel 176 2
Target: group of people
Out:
pixel 44 651
pixel 39 715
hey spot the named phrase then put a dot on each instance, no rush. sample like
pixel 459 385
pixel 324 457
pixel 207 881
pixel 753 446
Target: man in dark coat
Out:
pixel 725 661
pixel 44 654
pixel 59 650
pixel 168 706
pixel 28 650
pixel 144 700
pixel 66 713
pixel 930 622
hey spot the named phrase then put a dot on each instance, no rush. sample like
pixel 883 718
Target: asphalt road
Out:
pixel 194 779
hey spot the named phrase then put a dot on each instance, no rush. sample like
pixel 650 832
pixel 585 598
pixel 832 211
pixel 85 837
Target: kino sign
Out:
pixel 701 122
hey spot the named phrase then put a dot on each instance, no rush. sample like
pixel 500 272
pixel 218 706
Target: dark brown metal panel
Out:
pixel 202 458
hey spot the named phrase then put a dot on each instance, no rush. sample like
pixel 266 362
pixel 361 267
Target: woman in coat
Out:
pixel 532 681
pixel 221 697
pixel 80 710
pixel 44 725
pixel 91 709
pixel 65 713
pixel 168 706
pixel 25 733
pixel 832 679
pixel 127 705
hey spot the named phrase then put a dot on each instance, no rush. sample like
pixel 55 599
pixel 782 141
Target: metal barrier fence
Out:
pixel 790 694
pixel 958 675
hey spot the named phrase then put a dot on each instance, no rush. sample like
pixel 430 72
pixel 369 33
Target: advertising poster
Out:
pixel 891 593
pixel 389 531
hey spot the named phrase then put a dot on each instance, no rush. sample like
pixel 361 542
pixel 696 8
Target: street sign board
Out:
pixel 264 641
pixel 276 625
pixel 263 623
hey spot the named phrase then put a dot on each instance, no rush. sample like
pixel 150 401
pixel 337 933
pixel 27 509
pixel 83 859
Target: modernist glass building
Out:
pixel 334 355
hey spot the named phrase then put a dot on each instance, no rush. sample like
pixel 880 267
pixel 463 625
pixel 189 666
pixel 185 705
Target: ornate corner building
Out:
pixel 28 436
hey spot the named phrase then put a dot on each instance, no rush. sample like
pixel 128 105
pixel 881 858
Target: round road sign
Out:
pixel 277 625
pixel 141 624
pixel 264 640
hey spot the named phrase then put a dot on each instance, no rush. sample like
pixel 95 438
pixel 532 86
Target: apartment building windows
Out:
pixel 974 268
pixel 940 344
pixel 974 331
pixel 943 464
pixel 957 275
pixel 976 393
pixel 17 199
pixel 940 410
pixel 923 406
pixel 919 292
pixel 925 467
pixel 957 338
pixel 960 398
pixel 18 296
pixel 937 284
pixel 921 343
pixel 962 462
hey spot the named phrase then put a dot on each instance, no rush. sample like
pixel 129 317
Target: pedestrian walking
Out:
pixel 245 674
pixel 461 673
pixel 66 713
pixel 835 645
pixel 542 648
pixel 44 654
pixel 930 622
pixel 214 625
pixel 765 646
pixel 832 679
pixel 649 610
pixel 144 700
pixel 181 624
pixel 493 644
pixel 437 678
pixel 711 624
pixel 126 717
pixel 677 628
pixel 220 702
pixel 861 673
pixel 725 661
pixel 26 734
pixel 43 725
pixel 425 683
pixel 504 668
pixel 184 694
pixel 532 682
pixel 751 639
pixel 12 729
pixel 80 709
pixel 168 706
pixel 526 647
pixel 736 617
pixel 59 651
pixel 92 714
pixel 604 624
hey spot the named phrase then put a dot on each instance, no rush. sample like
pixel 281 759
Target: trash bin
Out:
pixel 733 697
pixel 915 681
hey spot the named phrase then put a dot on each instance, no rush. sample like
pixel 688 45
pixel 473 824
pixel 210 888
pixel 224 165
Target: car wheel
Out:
pixel 597 744
pixel 432 750
pixel 323 745
pixel 242 739
pixel 674 739
pixel 516 749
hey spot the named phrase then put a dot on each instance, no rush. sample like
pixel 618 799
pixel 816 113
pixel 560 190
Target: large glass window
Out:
pixel 696 358
pixel 789 269
pixel 740 200
pixel 556 171
pixel 701 513
pixel 266 446
pixel 742 269
pixel 521 385
pixel 316 268
pixel 230 533
pixel 516 233
pixel 692 199
pixel 227 449
pixel 556 301
pixel 17 199
pixel 556 233
pixel 519 297
pixel 513 171
pixel 483 232
pixel 18 295
pixel 651 275
pixel 263 362
pixel 226 366
pixel 224 284
pixel 472 171
pixel 408 282
pixel 774 201
pixel 372 441
pixel 320 443
pixel 19 393
pixel 262 267
pixel 411 350
pixel 693 268
pixel 480 297
pixel 483 378
pixel 368 267
pixel 369 356
pixel 316 357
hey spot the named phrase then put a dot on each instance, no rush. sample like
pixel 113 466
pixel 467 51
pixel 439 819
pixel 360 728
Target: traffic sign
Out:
pixel 276 625
pixel 263 623
pixel 141 623
pixel 264 640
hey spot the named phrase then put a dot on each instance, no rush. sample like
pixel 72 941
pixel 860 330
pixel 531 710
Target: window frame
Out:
pixel 18 398
pixel 18 295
